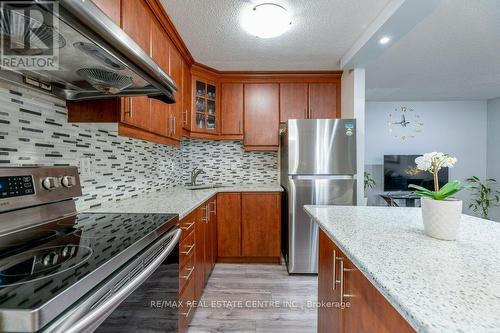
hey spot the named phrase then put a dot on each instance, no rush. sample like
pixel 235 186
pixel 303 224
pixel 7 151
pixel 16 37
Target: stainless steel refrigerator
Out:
pixel 318 167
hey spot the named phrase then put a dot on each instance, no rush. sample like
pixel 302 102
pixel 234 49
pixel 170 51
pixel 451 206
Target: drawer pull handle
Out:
pixel 189 225
pixel 190 248
pixel 186 277
pixel 186 314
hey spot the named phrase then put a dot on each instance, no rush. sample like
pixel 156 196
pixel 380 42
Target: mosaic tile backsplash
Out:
pixel 34 131
pixel 226 162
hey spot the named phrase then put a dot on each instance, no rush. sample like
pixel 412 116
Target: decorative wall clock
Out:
pixel 404 123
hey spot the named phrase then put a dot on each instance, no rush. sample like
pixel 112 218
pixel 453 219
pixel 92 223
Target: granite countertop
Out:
pixel 437 286
pixel 177 200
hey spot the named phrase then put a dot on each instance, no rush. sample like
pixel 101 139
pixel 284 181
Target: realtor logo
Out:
pixel 29 35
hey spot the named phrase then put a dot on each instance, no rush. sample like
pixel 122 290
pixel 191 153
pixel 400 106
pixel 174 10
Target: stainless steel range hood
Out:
pixel 97 59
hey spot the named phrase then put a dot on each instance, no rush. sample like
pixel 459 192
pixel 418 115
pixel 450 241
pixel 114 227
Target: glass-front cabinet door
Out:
pixel 206 112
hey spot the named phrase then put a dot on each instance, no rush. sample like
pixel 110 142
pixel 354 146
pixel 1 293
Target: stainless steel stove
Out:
pixel 63 271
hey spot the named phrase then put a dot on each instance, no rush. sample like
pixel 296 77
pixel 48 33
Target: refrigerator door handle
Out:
pixel 331 177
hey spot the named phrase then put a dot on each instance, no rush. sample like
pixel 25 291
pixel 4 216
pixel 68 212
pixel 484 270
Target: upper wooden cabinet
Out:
pixel 232 109
pixel 175 119
pixel 186 97
pixel 324 100
pixel 111 8
pixel 261 103
pixel 293 101
pixel 206 110
pixel 136 22
pixel 160 46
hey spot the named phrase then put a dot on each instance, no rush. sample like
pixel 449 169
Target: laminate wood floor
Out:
pixel 256 298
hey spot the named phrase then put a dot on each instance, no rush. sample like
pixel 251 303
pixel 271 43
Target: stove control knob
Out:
pixel 68 181
pixel 50 259
pixel 67 251
pixel 50 183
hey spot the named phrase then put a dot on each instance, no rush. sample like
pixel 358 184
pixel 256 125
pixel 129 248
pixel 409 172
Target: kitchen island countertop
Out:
pixel 436 285
pixel 177 200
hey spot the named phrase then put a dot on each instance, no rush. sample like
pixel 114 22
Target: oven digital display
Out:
pixel 16 186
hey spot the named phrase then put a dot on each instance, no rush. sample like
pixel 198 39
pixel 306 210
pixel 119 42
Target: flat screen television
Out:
pixel 401 171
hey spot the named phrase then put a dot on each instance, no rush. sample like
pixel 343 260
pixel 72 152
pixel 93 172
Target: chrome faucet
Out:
pixel 194 174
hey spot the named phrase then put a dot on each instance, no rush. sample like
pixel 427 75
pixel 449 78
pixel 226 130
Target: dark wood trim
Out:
pixel 133 132
pixel 162 16
pixel 106 110
pixel 249 260
pixel 261 148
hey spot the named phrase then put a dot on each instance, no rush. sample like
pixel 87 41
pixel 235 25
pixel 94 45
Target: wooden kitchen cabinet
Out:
pixel 261 225
pixel 200 230
pixel 324 100
pixel 111 8
pixel 160 46
pixel 293 101
pixel 366 309
pixel 136 22
pixel 186 97
pixel 329 317
pixel 261 120
pixel 175 115
pixel 206 110
pixel 232 109
pixel 229 225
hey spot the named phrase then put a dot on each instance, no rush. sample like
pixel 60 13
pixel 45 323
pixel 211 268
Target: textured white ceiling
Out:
pixel 453 54
pixel 322 31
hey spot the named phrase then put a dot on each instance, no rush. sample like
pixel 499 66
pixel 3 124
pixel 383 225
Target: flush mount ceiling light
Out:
pixel 266 20
pixel 384 40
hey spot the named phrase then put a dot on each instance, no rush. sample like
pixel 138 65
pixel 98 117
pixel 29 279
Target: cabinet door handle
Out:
pixel 185 117
pixel 174 129
pixel 190 247
pixel 204 217
pixel 129 109
pixel 342 277
pixel 215 208
pixel 334 279
pixel 239 126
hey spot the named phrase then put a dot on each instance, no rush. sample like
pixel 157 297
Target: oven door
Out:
pixel 142 297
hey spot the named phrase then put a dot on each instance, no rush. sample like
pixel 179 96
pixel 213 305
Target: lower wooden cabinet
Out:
pixel 196 257
pixel 260 224
pixel 229 225
pixel 249 227
pixel 351 303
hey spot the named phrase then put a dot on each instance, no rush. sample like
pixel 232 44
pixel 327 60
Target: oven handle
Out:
pixel 94 318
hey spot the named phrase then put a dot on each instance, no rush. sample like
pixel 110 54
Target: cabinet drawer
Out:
pixel 186 271
pixel 187 225
pixel 186 248
pixel 186 309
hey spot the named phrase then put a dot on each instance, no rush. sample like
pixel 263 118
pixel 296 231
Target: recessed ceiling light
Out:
pixel 384 40
pixel 266 20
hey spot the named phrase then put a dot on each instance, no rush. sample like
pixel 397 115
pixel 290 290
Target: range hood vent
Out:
pixel 96 58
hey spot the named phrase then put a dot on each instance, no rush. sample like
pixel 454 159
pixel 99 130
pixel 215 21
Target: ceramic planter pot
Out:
pixel 441 217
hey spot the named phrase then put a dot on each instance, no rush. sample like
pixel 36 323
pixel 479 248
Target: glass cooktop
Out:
pixel 41 263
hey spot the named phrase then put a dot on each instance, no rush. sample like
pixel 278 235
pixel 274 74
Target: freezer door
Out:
pixel 302 256
pixel 320 147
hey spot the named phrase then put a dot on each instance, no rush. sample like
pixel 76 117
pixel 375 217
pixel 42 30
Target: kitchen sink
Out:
pixel 204 186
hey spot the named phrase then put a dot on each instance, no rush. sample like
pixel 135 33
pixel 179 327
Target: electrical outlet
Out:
pixel 85 166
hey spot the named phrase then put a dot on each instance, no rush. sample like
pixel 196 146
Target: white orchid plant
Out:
pixel 433 162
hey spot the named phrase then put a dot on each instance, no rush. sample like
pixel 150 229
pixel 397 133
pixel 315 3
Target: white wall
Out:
pixel 353 107
pixel 454 127
pixel 493 162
